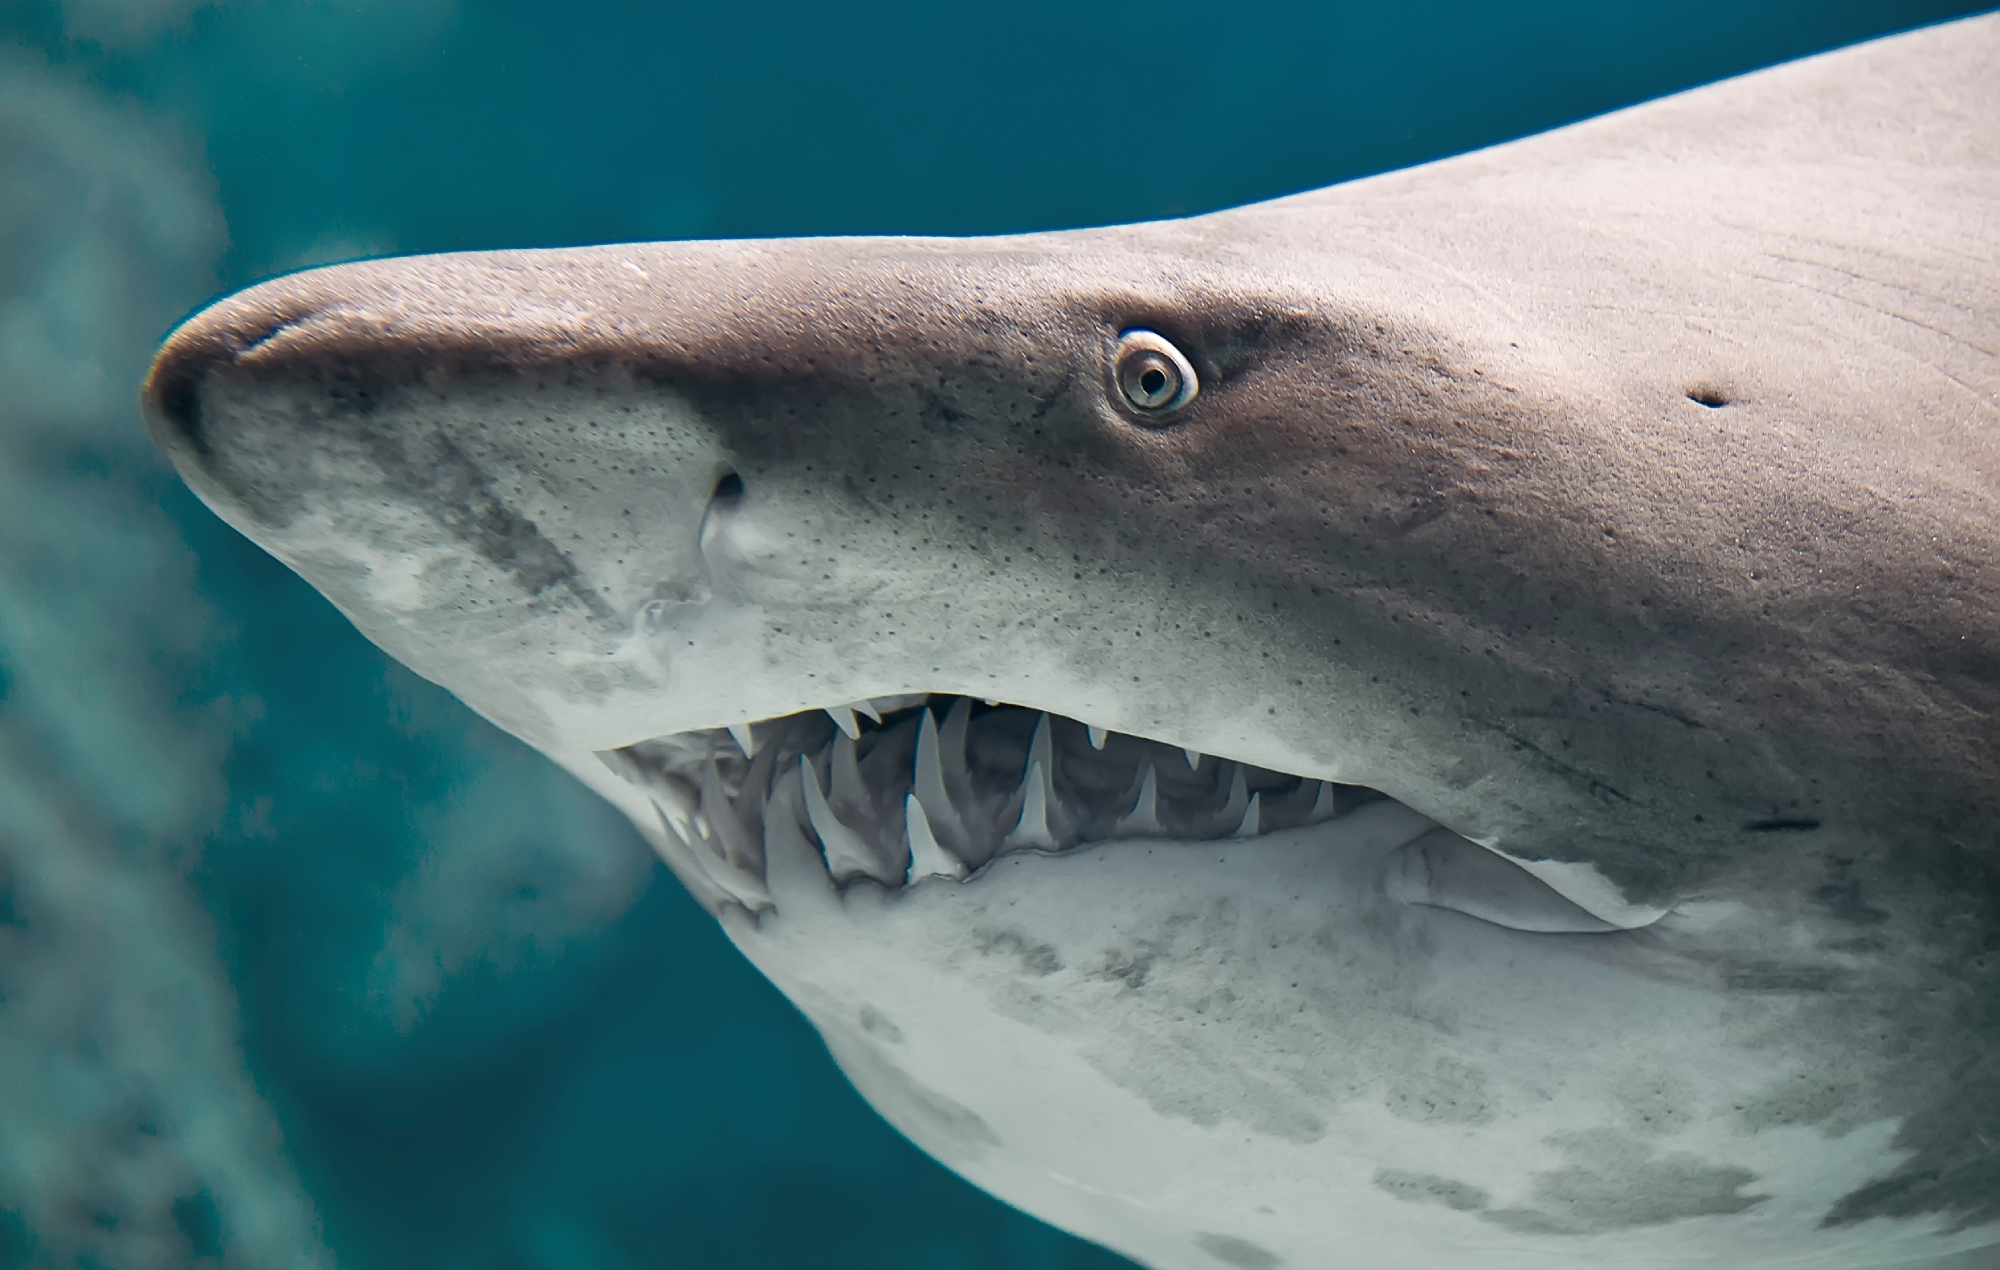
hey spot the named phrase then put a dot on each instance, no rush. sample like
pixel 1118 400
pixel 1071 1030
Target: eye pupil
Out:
pixel 1151 375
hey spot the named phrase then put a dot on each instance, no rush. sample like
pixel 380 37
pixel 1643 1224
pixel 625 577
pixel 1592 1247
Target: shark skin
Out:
pixel 1620 503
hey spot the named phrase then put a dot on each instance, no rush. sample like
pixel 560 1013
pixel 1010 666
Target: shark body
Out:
pixel 1486 759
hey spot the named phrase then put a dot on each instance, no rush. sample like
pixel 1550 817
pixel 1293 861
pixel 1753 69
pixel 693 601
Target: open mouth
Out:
pixel 899 789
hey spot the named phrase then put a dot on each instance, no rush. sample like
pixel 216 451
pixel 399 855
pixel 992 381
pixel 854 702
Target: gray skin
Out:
pixel 1621 499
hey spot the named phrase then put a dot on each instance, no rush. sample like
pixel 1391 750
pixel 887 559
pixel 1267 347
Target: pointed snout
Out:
pixel 491 463
pixel 210 342
pixel 358 333
pixel 566 484
pixel 329 347
pixel 228 380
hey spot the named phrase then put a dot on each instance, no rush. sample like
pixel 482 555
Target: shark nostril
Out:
pixel 718 520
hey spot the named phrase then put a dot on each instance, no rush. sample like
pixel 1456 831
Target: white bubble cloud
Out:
pixel 134 1135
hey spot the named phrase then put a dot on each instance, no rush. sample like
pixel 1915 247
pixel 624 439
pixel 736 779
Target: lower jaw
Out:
pixel 1203 1046
pixel 1179 1046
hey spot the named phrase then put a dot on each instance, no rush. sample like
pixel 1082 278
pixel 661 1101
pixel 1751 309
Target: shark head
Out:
pixel 1447 721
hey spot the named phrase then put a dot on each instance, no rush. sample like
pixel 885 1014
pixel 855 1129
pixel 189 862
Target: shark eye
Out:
pixel 1152 376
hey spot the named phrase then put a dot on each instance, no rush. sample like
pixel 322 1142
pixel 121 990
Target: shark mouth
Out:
pixel 899 789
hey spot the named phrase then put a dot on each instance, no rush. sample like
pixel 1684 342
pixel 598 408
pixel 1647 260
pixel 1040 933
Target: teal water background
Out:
pixel 300 963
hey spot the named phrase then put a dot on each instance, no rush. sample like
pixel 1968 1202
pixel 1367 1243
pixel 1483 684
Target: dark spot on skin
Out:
pixel 460 497
pixel 1757 976
pixel 1428 1188
pixel 1444 1091
pixel 1782 824
pixel 1615 1183
pixel 1804 1098
pixel 1038 959
pixel 1912 1002
pixel 940 1124
pixel 875 1025
pixel 1231 1251
pixel 1129 969
pixel 1843 896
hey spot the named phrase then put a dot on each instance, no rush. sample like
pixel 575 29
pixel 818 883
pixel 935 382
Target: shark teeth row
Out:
pixel 936 787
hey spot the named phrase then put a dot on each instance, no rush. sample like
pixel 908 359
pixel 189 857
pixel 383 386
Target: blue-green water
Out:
pixel 300 964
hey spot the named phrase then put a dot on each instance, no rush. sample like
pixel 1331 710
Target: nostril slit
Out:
pixel 1708 395
pixel 728 490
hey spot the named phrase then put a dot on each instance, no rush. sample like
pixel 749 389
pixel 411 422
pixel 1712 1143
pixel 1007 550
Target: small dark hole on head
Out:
pixel 1783 824
pixel 1713 398
pixel 729 489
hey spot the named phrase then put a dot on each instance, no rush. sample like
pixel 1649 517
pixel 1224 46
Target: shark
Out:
pixel 1446 721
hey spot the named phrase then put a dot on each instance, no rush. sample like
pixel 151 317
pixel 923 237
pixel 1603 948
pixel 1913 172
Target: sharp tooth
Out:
pixel 1144 818
pixel 951 746
pixel 676 819
pixel 743 849
pixel 846 787
pixel 843 718
pixel 1038 794
pixel 1322 805
pixel 902 701
pixel 1193 758
pixel 867 707
pixel 954 753
pixel 735 851
pixel 1041 749
pixel 845 851
pixel 1252 823
pixel 1096 735
pixel 929 787
pixel 739 884
pixel 677 829
pixel 989 701
pixel 1239 798
pixel 676 800
pixel 744 740
pixel 927 858
pixel 1033 829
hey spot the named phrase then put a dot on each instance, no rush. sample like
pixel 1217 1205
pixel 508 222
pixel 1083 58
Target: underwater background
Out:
pixel 301 964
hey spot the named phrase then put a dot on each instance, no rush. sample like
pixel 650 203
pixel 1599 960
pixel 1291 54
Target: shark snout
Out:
pixel 209 341
pixel 459 455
